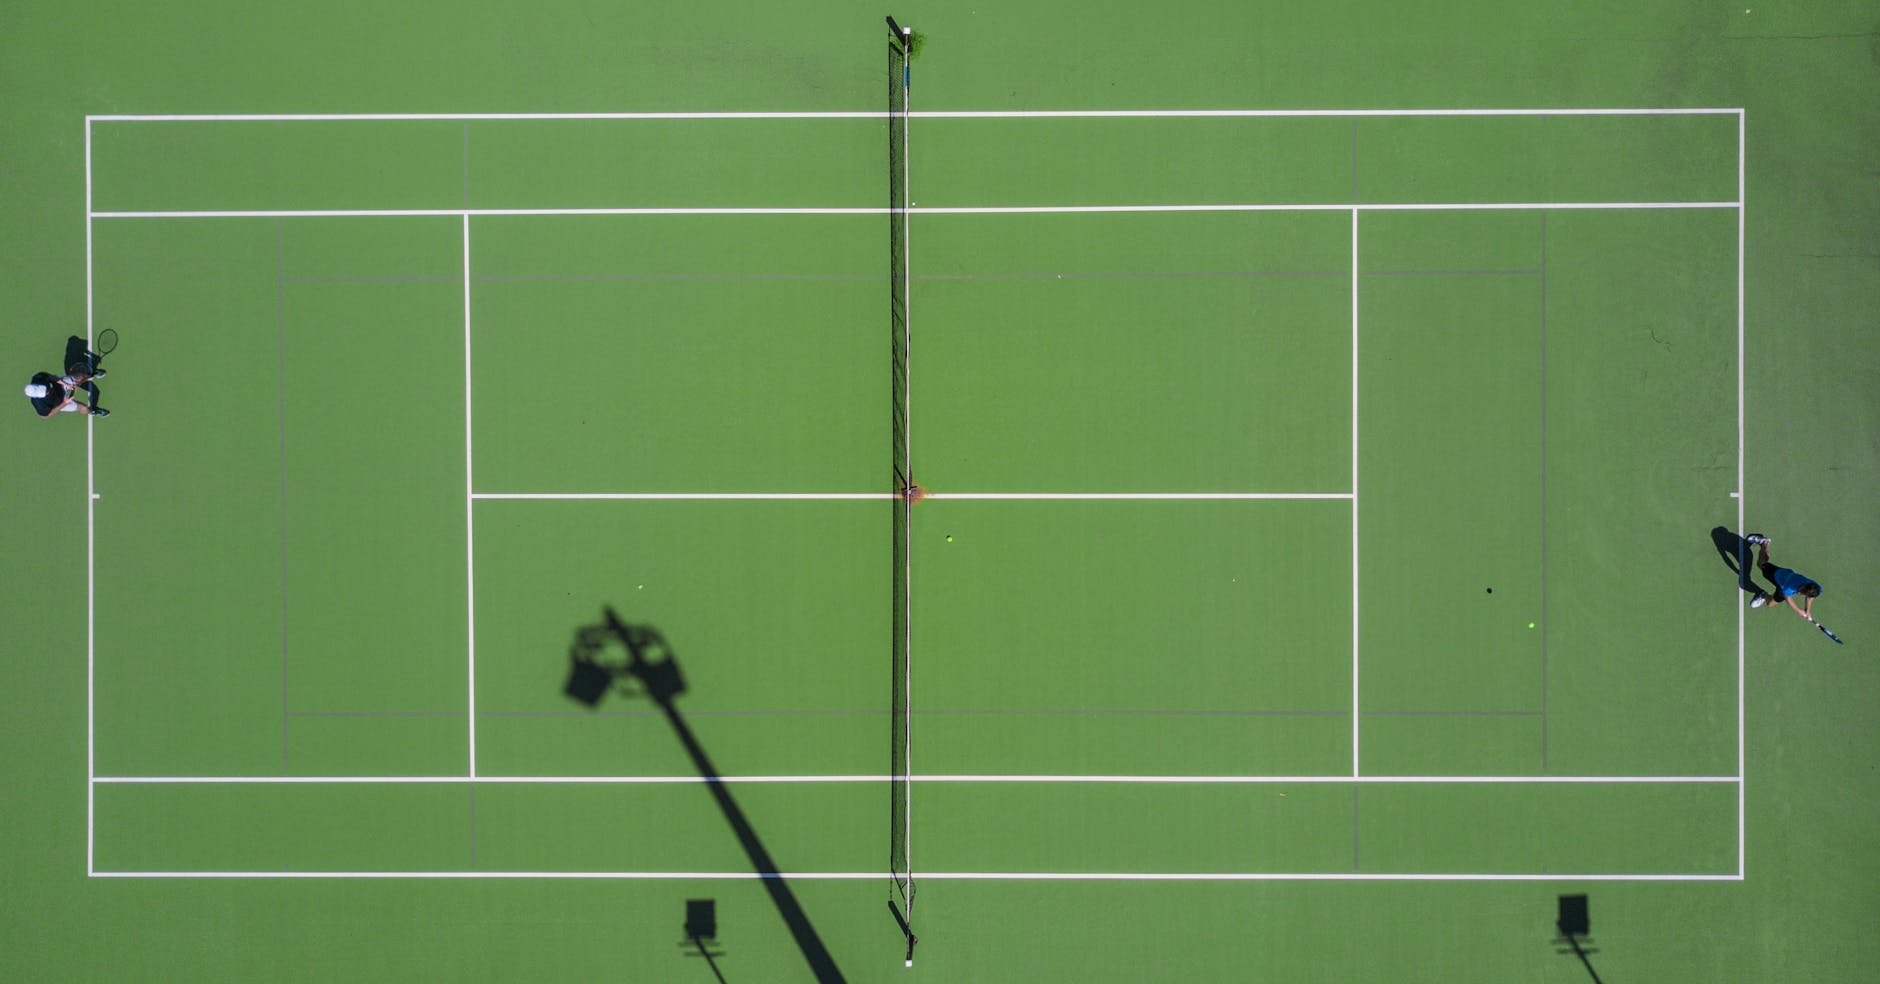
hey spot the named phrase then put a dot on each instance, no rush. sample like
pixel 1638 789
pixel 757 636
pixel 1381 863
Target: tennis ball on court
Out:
pixel 949 538
pixel 1530 625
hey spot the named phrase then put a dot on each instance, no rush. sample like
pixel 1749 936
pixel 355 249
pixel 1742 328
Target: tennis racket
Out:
pixel 1824 631
pixel 106 343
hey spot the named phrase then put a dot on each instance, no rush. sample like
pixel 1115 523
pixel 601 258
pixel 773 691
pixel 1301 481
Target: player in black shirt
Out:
pixel 55 394
pixel 52 394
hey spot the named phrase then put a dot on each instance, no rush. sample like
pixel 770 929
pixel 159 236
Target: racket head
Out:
pixel 106 342
pixel 1824 631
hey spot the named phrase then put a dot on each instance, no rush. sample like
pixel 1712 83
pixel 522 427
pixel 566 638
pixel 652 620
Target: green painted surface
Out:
pixel 1581 828
pixel 307 827
pixel 189 679
pixel 673 386
pixel 361 743
pixel 374 512
pixel 251 553
pixel 1548 159
pixel 1640 328
pixel 1226 366
pixel 654 827
pixel 1134 605
pixel 1137 828
pixel 1449 489
pixel 1454 743
pixel 240 165
pixel 675 163
pixel 1167 161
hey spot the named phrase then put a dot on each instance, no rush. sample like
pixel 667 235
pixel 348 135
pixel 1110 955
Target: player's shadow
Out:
pixel 651 670
pixel 1736 556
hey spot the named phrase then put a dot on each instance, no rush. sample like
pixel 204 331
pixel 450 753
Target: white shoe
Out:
pixel 1760 601
pixel 1756 539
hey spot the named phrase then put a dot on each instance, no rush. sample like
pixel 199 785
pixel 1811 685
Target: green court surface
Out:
pixel 1334 424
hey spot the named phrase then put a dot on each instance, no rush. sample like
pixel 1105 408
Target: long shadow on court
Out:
pixel 650 668
pixel 1736 556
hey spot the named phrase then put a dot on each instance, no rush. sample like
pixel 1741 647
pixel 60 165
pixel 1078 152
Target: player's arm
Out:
pixel 1798 609
pixel 54 412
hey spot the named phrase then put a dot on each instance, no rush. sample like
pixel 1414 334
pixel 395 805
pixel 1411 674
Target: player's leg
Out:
pixel 1776 576
pixel 1768 570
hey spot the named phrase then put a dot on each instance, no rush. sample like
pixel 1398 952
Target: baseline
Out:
pixel 981 778
pixel 872 210
pixel 945 875
pixel 932 114
pixel 845 496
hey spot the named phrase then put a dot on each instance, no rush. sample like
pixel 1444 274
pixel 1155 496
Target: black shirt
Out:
pixel 56 394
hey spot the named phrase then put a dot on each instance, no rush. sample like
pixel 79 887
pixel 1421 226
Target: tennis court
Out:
pixel 1154 499
pixel 1315 503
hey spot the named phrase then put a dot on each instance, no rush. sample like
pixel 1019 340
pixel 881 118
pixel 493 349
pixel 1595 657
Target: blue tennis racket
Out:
pixel 1824 631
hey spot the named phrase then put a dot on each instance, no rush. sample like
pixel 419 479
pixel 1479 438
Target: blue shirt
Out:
pixel 1791 582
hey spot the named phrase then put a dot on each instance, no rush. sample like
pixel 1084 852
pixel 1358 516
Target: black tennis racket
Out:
pixel 1824 631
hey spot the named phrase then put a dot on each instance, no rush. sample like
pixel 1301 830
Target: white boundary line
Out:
pixel 91 563
pixel 701 496
pixel 1073 496
pixel 943 875
pixel 1742 825
pixel 340 213
pixel 870 210
pixel 469 508
pixel 1355 714
pixel 932 114
pixel 875 496
pixel 1312 207
pixel 982 778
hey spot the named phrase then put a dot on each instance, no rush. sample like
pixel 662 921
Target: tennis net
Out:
pixel 900 712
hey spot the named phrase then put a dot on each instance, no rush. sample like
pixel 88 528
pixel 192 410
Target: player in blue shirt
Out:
pixel 1788 583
